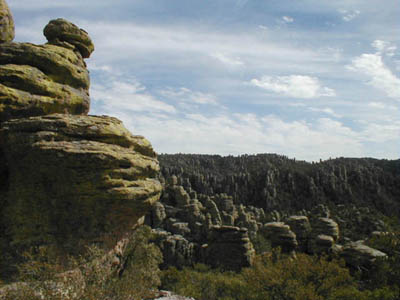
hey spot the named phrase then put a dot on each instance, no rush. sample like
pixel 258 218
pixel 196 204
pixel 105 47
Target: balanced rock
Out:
pixel 60 32
pixel 326 226
pixel 42 79
pixel 177 251
pixel 300 225
pixel 229 248
pixel 280 235
pixel 214 212
pixel 321 244
pixel 7 31
pixel 158 215
pixel 74 177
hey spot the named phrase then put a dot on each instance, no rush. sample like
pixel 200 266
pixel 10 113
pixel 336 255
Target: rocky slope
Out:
pixel 299 206
pixel 274 182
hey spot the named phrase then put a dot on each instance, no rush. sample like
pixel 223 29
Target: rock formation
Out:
pixel 301 227
pixel 73 171
pixel 67 179
pixel 280 235
pixel 359 255
pixel 275 182
pixel 43 79
pixel 229 248
pixel 6 23
pixel 177 251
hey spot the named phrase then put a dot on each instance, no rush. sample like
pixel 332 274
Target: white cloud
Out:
pixel 186 95
pixel 36 5
pixel 92 66
pixel 194 46
pixel 378 105
pixel 381 77
pixel 382 132
pixel 326 110
pixel 172 128
pixel 347 15
pixel 384 47
pixel 297 86
pixel 246 133
pixel 128 96
pixel 226 59
pixel 287 19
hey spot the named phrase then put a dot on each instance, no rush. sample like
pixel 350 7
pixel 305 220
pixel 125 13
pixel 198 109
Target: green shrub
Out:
pixel 274 276
pixel 202 283
pixel 385 272
pixel 91 278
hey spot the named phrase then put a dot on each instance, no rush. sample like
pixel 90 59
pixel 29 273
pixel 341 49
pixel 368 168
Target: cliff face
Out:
pixel 67 179
pixel 275 182
pixel 73 178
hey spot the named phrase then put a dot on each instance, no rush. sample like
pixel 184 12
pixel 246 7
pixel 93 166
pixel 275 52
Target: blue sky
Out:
pixel 304 78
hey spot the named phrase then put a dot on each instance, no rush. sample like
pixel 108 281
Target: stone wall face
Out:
pixel 67 178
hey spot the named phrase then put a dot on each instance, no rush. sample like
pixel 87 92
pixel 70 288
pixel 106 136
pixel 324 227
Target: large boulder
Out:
pixel 61 31
pixel 321 244
pixel 326 226
pixel 358 255
pixel 7 31
pixel 300 225
pixel 42 79
pixel 229 248
pixel 177 251
pixel 72 178
pixel 280 235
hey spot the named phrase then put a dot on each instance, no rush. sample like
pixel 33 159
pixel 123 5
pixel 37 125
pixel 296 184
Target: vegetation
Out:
pixel 273 276
pixel 278 277
pixel 44 276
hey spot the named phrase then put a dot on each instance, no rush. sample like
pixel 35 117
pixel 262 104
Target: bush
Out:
pixel 202 283
pixel 385 272
pixel 272 277
pixel 43 274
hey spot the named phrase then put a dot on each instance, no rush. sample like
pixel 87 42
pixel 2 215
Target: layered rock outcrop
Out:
pixel 76 176
pixel 67 179
pixel 194 228
pixel 359 255
pixel 229 248
pixel 44 79
pixel 280 235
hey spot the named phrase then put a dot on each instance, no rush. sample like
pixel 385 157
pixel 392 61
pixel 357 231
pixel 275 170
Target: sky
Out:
pixel 309 79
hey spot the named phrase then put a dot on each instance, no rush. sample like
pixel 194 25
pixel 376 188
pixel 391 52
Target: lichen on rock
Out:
pixel 75 177
pixel 61 31
pixel 7 31
pixel 42 79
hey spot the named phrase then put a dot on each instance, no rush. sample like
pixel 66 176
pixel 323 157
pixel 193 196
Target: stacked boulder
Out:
pixel 194 228
pixel 229 248
pixel 66 178
pixel 325 232
pixel 280 235
pixel 301 227
pixel 44 79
